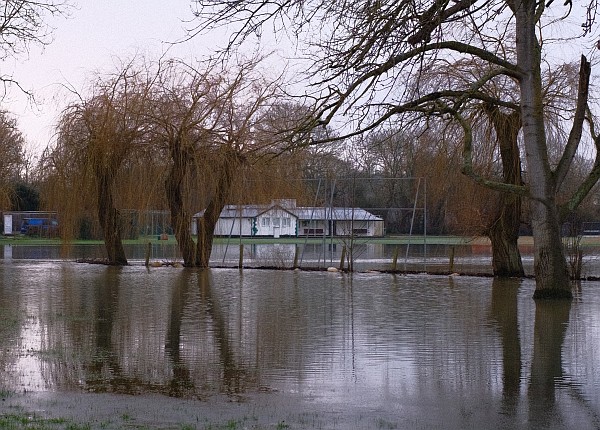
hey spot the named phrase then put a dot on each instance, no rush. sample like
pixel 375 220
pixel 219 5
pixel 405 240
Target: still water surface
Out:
pixel 469 258
pixel 413 351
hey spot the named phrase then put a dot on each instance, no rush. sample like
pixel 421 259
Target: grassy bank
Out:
pixel 391 240
pixel 387 240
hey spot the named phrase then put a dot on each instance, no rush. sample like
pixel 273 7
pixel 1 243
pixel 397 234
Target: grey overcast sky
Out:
pixel 97 33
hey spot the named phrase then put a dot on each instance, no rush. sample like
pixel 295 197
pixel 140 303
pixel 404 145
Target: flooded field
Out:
pixel 465 258
pixel 104 347
pixel 364 256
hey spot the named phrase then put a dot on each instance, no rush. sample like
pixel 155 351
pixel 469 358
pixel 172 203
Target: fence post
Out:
pixel 395 259
pixel 241 260
pixel 296 252
pixel 148 251
pixel 343 257
pixel 452 259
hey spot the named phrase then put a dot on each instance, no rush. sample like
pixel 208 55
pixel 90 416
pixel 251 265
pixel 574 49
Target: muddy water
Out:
pixel 300 349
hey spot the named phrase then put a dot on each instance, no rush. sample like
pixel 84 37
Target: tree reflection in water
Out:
pixel 551 321
pixel 181 384
pixel 104 373
pixel 462 350
pixel 547 372
pixel 233 374
pixel 505 313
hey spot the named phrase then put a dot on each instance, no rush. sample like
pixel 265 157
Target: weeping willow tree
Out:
pixel 203 117
pixel 163 134
pixel 96 136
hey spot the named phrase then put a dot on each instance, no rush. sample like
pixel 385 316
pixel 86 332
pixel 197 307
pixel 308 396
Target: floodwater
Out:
pixel 222 348
pixel 418 257
pixel 365 256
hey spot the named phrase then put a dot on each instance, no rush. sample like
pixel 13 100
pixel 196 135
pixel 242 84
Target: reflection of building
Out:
pixel 284 218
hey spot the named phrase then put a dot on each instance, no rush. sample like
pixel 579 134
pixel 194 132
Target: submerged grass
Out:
pixel 31 421
pixel 25 420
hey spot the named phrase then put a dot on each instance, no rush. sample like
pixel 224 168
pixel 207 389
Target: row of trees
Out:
pixel 175 154
pixel 168 134
pixel 171 135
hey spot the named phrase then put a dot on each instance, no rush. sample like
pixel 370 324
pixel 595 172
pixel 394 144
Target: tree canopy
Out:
pixel 368 62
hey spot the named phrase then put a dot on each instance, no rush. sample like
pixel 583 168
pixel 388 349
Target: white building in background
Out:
pixel 338 221
pixel 282 218
pixel 253 220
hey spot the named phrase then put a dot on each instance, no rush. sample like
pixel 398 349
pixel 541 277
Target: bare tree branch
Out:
pixel 577 128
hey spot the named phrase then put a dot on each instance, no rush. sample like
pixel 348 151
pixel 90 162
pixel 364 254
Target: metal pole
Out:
pixel 412 221
pixel 330 222
pixel 425 223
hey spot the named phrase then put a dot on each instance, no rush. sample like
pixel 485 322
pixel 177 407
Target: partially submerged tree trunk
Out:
pixel 109 217
pixel 504 235
pixel 550 266
pixel 180 219
pixel 208 222
pixel 504 229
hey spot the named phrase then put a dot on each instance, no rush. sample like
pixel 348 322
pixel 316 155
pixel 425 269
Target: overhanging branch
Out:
pixel 468 169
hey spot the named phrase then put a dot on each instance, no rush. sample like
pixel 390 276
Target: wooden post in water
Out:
pixel 395 259
pixel 342 258
pixel 148 251
pixel 452 259
pixel 296 253
pixel 241 260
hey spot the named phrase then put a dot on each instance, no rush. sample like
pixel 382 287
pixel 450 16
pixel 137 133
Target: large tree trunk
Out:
pixel 504 230
pixel 179 216
pixel 208 222
pixel 109 218
pixel 206 228
pixel 551 272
